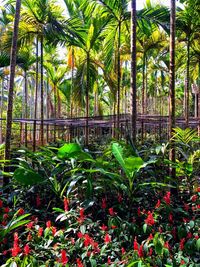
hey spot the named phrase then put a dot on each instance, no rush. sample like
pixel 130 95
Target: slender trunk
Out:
pixel 118 80
pixel 25 104
pixel 42 94
pixel 143 83
pixel 87 100
pixel 11 85
pixel 59 103
pixel 198 100
pixel 2 108
pixel 72 85
pixel 187 87
pixel 133 71
pixel 172 83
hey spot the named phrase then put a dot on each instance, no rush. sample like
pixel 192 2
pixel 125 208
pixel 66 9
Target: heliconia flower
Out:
pixel 135 244
pixel 113 226
pixel 170 218
pixel 111 212
pixel 166 245
pixel 66 204
pixel 119 198
pixel 109 261
pixel 81 215
pixel 186 207
pixel 5 252
pixel 198 189
pixel 182 262
pixel 48 224
pixel 5 216
pixel 103 203
pixel 38 201
pixel 79 263
pixel 194 198
pixel 54 230
pixel 140 252
pixel 104 227
pixel 150 237
pixel 15 250
pixel 139 211
pixel 167 198
pixel 80 235
pixel 107 239
pixel 30 225
pixel 16 237
pixel 158 204
pixel 64 258
pixel 40 231
pixel 87 240
pixel 20 211
pixel 29 237
pixel 1 203
pixel 150 251
pixel 26 249
pixel 150 220
pixel 6 209
pixel 196 237
pixel 72 240
pixel 123 250
pixel 181 244
pixel 189 235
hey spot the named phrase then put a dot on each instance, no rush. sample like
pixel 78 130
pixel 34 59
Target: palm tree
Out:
pixel 11 85
pixel 172 103
pixel 133 70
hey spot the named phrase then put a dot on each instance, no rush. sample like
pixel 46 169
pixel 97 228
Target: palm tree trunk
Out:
pixel 26 105
pixel 118 80
pixel 36 94
pixel 2 108
pixel 187 87
pixel 133 71
pixel 11 85
pixel 42 94
pixel 87 100
pixel 172 83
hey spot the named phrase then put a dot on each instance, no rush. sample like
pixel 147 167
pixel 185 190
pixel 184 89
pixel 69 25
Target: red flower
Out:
pixel 135 244
pixel 20 211
pixel 6 210
pixel 87 240
pixel 48 224
pixel 54 230
pixel 104 227
pixel 186 207
pixel 150 251
pixel 123 250
pixel 182 262
pixel 16 237
pixel 29 237
pixel 158 204
pixel 38 201
pixel 198 189
pixel 140 252
pixel 80 235
pixel 167 198
pixel 119 198
pixel 150 237
pixel 139 211
pixel 166 245
pixel 66 204
pixel 107 239
pixel 64 259
pixel 109 261
pixel 150 220
pixel 15 250
pixel 170 218
pixel 30 225
pixel 181 244
pixel 111 212
pixel 189 235
pixel 40 231
pixel 79 263
pixel 81 214
pixel 103 203
pixel 194 198
pixel 1 203
pixel 5 216
pixel 113 226
pixel 26 249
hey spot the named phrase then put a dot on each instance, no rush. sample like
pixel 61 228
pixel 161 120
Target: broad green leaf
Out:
pixel 67 150
pixel 118 153
pixel 27 176
pixel 198 244
pixel 133 164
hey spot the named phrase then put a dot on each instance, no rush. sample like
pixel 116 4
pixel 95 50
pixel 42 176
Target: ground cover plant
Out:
pixel 66 207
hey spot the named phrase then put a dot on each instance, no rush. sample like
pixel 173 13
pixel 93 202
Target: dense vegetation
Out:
pixel 125 203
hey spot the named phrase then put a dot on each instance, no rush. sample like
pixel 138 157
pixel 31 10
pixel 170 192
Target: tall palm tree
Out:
pixel 11 85
pixel 172 103
pixel 133 71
